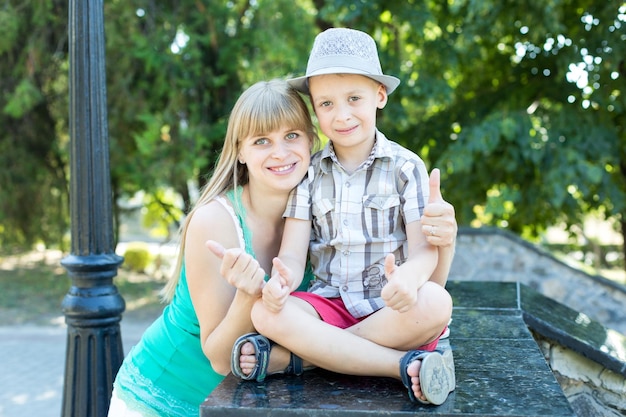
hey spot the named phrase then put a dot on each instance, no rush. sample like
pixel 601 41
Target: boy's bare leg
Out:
pixel 279 356
pixel 329 347
pixel 410 330
pixel 279 359
pixel 298 329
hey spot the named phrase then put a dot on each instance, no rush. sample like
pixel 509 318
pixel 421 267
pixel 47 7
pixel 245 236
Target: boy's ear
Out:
pixel 382 96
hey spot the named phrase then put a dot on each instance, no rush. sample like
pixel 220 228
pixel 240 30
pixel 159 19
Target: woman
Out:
pixel 185 353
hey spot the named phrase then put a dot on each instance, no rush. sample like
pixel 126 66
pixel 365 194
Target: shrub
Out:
pixel 137 257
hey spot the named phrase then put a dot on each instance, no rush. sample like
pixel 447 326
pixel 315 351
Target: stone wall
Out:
pixel 490 254
pixel 591 389
pixel 495 255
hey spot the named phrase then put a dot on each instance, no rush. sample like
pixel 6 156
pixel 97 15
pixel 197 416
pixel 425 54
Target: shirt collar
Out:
pixel 382 149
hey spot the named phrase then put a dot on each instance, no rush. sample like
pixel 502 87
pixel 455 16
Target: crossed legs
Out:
pixel 372 347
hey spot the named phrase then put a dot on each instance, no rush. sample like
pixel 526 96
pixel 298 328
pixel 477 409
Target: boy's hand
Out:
pixel 438 222
pixel 278 287
pixel 240 269
pixel 397 294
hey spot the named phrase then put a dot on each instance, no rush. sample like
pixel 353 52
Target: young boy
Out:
pixel 357 214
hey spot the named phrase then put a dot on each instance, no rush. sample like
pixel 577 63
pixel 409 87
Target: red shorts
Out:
pixel 333 311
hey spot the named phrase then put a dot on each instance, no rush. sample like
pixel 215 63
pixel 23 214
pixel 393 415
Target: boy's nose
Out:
pixel 343 112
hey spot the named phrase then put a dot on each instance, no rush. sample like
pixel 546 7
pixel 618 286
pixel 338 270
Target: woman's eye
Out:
pixel 261 141
pixel 292 136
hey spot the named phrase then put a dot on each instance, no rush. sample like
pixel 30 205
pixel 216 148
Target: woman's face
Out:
pixel 277 160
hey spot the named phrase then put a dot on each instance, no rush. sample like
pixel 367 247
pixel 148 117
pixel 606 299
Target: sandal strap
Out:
pixel 295 367
pixel 410 357
pixel 262 348
pixel 436 375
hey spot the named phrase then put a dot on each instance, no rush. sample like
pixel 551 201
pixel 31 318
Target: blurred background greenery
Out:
pixel 521 104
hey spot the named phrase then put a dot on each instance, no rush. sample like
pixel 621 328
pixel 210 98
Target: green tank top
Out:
pixel 166 373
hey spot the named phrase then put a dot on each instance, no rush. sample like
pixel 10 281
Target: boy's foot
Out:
pixel 428 376
pixel 251 356
pixel 247 358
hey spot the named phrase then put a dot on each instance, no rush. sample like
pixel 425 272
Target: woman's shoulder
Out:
pixel 215 217
pixel 213 211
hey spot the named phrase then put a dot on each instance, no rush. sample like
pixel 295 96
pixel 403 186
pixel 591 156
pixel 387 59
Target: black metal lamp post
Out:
pixel 92 307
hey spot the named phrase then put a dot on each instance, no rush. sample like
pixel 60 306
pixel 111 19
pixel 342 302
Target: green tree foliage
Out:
pixel 175 69
pixel 521 104
pixel 33 125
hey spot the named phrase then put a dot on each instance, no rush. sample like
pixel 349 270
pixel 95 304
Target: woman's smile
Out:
pixel 283 168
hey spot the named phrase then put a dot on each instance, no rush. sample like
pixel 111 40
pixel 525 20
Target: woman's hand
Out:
pixel 240 269
pixel 438 222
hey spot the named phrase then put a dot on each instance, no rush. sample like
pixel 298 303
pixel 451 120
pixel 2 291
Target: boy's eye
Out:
pixel 354 98
pixel 325 104
pixel 292 136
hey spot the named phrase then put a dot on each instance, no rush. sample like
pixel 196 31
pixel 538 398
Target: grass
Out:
pixel 34 284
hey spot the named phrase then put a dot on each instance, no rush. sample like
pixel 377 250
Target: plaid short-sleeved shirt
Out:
pixel 358 219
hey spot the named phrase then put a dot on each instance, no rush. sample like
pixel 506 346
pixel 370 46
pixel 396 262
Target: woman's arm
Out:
pixel 223 312
pixel 440 228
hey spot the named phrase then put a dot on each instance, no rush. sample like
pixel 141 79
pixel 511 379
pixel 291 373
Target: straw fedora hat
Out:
pixel 344 51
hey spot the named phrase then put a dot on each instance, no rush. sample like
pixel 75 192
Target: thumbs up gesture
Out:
pixel 278 287
pixel 239 268
pixel 438 222
pixel 398 294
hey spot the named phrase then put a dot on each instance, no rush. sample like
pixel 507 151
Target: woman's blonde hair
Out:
pixel 262 108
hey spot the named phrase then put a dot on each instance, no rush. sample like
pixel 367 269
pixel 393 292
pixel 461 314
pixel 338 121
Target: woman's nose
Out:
pixel 280 150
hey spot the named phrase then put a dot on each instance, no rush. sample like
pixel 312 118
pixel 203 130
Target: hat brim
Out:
pixel 301 83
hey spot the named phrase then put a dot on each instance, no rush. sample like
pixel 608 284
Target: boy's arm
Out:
pixel 289 265
pixel 441 272
pixel 294 248
pixel 400 292
pixel 423 257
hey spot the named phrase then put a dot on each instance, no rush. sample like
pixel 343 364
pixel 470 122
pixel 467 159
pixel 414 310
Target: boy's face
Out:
pixel 345 106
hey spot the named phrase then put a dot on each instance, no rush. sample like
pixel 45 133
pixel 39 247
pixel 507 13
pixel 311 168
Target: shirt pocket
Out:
pixel 323 224
pixel 381 214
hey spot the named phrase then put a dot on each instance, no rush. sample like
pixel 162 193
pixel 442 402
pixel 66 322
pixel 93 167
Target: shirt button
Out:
pixel 348 184
pixel 345 222
pixel 344 288
pixel 346 252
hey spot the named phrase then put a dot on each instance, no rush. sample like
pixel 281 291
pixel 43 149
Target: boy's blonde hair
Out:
pixel 263 108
